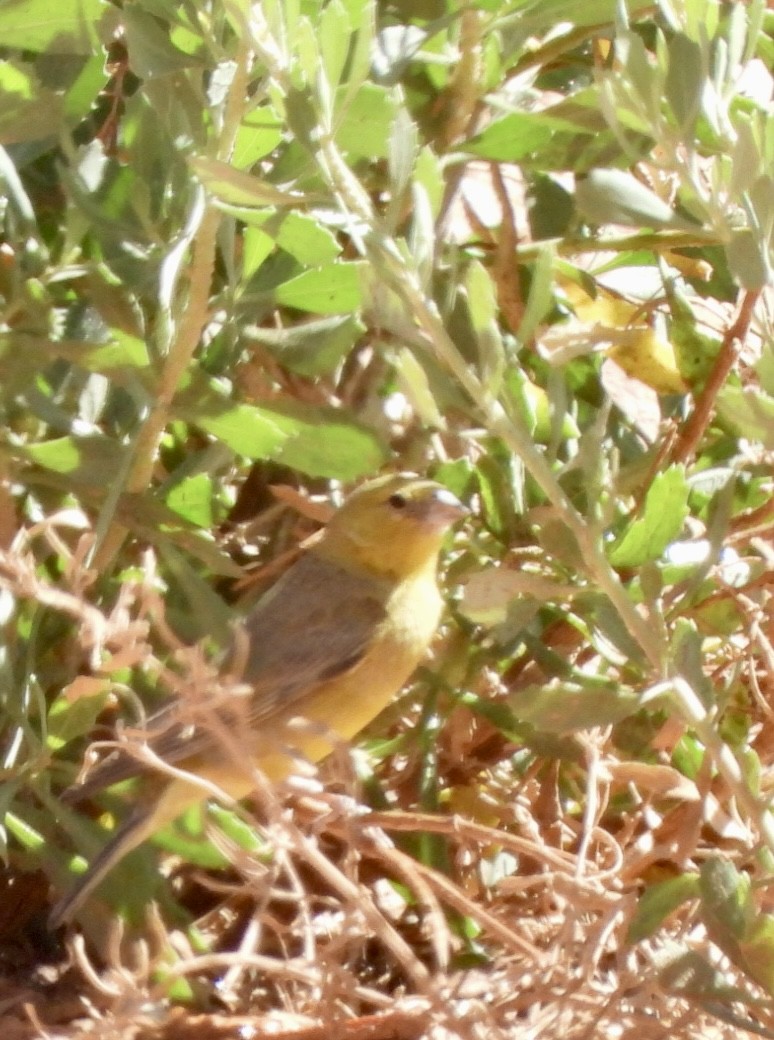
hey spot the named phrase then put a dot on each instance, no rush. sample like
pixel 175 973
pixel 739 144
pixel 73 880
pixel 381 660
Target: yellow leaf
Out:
pixel 649 357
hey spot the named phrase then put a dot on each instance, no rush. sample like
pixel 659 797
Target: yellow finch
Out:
pixel 331 643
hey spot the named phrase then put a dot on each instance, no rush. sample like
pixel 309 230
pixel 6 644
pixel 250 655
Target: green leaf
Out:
pixel 332 289
pixel 259 133
pixel 520 136
pixel 238 830
pixel 725 902
pixel 570 136
pixel 301 236
pixel 192 499
pixel 645 75
pixel 499 714
pixel 547 14
pixel 745 936
pixel 66 27
pixel 563 707
pixel 304 238
pixel 748 261
pixel 727 906
pixel 334 32
pixel 758 952
pixel 123 352
pixel 93 459
pixel 607 632
pixel 68 719
pixel 247 430
pixel 482 304
pixel 413 380
pixel 695 351
pixel 307 61
pixel 151 51
pixel 363 127
pixel 482 307
pixel 257 246
pixel 326 442
pixel 750 412
pixel 657 903
pixel 8 792
pixel 27 836
pixel 187 838
pixel 693 977
pixel 28 112
pixel 551 207
pixel 153 521
pixel 687 655
pixel 237 188
pixel 311 348
pixel 685 81
pixel 617 197
pixel 662 519
pixel 540 299
pixel 321 442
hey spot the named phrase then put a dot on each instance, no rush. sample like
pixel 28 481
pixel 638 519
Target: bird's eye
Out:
pixel 397 501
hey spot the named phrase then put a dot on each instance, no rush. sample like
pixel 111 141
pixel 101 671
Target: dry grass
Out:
pixel 518 931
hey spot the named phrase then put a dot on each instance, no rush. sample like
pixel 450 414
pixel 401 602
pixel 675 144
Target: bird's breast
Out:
pixel 349 702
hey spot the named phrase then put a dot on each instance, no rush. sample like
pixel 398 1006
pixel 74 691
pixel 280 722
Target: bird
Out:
pixel 331 643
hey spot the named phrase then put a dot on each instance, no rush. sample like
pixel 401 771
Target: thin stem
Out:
pixel 191 302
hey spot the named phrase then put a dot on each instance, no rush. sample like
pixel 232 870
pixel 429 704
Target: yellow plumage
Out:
pixel 331 643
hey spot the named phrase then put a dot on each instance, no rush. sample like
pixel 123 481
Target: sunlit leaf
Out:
pixel 67 27
pixel 333 289
pixel 91 459
pixel 658 901
pixel 662 519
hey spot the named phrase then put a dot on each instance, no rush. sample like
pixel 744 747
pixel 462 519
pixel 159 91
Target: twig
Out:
pixel 702 413
pixel 454 897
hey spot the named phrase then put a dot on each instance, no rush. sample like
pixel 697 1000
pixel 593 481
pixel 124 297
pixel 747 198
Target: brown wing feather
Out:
pixel 330 634
pixel 327 640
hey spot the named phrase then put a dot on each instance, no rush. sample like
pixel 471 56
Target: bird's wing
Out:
pixel 317 622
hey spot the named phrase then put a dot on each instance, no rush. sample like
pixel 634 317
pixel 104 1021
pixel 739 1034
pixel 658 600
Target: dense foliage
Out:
pixel 250 255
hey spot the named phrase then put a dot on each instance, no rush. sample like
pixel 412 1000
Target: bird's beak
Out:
pixel 446 508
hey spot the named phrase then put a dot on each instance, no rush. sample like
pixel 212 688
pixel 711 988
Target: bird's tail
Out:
pixel 139 826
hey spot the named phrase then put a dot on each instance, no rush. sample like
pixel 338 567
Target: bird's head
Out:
pixel 393 525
